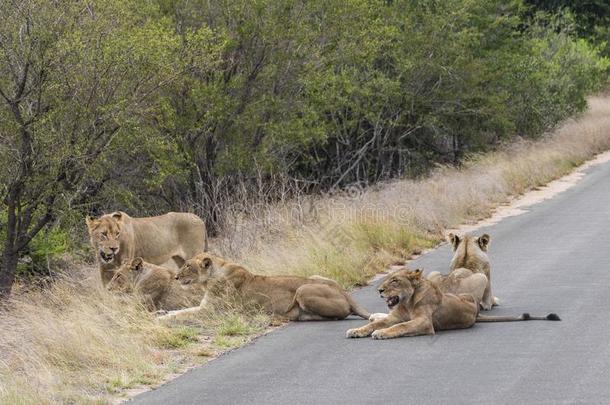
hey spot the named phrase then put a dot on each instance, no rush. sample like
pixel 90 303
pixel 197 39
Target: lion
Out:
pixel 166 240
pixel 291 297
pixel 470 270
pixel 155 284
pixel 419 307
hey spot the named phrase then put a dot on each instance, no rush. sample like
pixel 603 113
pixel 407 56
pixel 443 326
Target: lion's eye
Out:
pixel 394 282
pixel 118 234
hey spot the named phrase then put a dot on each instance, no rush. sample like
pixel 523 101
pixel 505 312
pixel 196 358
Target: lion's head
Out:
pixel 124 278
pixel 105 234
pixel 400 286
pixel 198 270
pixel 469 251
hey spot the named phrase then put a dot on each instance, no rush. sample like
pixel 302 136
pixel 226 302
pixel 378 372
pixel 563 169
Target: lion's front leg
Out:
pixel 206 304
pixel 414 327
pixel 106 275
pixel 378 316
pixel 371 327
pixel 487 301
pixel 179 313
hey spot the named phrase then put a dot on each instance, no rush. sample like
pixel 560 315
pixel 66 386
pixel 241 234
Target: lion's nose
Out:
pixel 114 249
pixel 381 290
pixel 176 277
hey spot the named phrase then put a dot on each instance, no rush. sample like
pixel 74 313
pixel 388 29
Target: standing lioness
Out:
pixel 167 240
pixel 296 298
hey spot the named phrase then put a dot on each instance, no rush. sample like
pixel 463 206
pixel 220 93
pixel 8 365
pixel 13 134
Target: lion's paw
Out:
pixel 377 316
pixel 166 315
pixel 355 333
pixel 496 301
pixel 380 335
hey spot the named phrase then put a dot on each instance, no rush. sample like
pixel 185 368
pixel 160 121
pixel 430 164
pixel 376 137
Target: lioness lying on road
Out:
pixel 418 307
pixel 295 298
pixel 155 284
pixel 470 270
pixel 168 239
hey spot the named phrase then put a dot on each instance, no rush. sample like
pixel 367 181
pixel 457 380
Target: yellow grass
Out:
pixel 76 343
pixel 352 237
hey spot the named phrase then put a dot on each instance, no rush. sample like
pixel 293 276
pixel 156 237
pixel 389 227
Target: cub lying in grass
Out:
pixel 295 298
pixel 155 284
pixel 418 307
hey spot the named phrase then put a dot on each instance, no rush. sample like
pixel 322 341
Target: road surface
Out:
pixel 554 258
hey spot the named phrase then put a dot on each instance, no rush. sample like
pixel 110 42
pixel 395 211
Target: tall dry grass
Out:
pixel 74 342
pixel 353 235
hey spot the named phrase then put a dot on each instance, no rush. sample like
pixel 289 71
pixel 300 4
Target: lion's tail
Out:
pixel 357 309
pixel 522 317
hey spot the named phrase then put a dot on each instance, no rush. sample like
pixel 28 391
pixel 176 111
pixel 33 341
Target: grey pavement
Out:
pixel 554 258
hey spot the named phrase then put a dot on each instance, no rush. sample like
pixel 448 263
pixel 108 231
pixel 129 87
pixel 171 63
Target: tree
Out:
pixel 75 79
pixel 239 109
pixel 592 18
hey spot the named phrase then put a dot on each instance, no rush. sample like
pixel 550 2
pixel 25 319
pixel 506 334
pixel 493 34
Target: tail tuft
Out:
pixel 553 317
pixel 526 316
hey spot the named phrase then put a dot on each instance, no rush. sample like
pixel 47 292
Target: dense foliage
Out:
pixel 175 104
pixel 591 18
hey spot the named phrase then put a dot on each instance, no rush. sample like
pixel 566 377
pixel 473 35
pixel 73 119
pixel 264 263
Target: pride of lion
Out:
pixel 164 260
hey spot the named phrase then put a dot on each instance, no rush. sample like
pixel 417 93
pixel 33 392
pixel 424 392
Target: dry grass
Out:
pixel 351 237
pixel 75 343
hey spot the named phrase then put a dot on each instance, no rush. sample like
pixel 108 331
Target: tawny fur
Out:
pixel 419 307
pixel 155 284
pixel 292 297
pixel 470 270
pixel 168 240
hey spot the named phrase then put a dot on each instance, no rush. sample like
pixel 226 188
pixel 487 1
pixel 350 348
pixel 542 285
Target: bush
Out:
pixel 208 106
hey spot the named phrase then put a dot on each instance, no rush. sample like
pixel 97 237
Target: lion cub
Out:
pixel 470 270
pixel 418 307
pixel 295 298
pixel 155 284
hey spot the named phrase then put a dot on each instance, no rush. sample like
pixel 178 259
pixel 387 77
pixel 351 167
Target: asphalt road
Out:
pixel 554 258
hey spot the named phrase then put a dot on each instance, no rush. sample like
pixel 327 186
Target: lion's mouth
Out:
pixel 107 257
pixel 392 301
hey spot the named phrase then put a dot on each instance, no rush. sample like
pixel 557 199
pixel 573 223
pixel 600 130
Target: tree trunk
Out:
pixel 8 267
pixel 8 261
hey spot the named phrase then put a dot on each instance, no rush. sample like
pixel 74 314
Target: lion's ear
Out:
pixel 206 262
pixel 137 264
pixel 118 215
pixel 483 241
pixel 91 222
pixel 454 240
pixel 417 274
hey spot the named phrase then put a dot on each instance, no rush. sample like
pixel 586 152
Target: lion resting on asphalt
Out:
pixel 295 298
pixel 155 284
pixel 419 307
pixel 168 239
pixel 470 270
